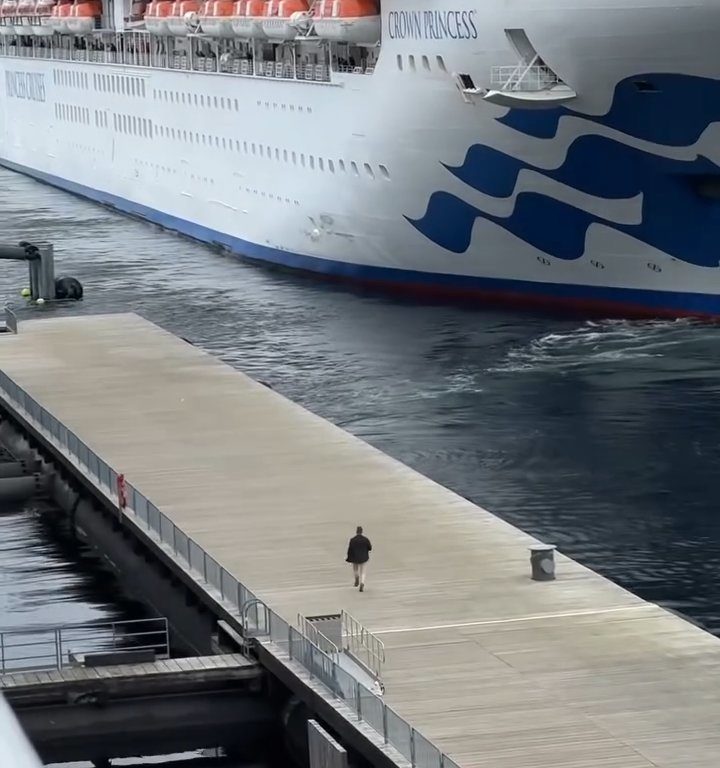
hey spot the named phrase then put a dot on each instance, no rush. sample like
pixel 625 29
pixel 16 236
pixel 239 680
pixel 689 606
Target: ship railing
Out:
pixel 135 51
pixel 523 77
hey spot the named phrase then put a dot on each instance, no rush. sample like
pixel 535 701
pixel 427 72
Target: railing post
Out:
pixel 58 648
pixel 385 728
pixel 412 748
pixel 290 642
pixel 204 565
pixel 2 652
pixel 357 698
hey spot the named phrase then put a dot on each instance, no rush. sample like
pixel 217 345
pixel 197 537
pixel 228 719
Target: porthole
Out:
pixel 384 171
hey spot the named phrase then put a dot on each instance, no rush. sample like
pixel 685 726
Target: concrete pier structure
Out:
pixel 490 667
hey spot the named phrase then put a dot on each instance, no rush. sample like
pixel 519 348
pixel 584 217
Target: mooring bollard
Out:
pixel 542 562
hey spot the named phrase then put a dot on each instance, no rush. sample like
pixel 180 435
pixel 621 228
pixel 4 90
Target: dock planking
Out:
pixel 495 669
pixel 197 665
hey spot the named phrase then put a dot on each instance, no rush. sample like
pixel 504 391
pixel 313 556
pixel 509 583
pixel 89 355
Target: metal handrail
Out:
pixel 316 636
pixel 227 590
pixel 362 644
pixel 45 648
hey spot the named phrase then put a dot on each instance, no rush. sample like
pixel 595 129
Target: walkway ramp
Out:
pixel 493 668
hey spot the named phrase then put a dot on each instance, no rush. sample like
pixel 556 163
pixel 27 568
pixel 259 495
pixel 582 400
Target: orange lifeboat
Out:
pixel 60 16
pixel 216 18
pixel 184 17
pixel 8 11
pixel 283 17
pixel 157 14
pixel 248 17
pixel 41 19
pixel 23 17
pixel 350 21
pixel 84 16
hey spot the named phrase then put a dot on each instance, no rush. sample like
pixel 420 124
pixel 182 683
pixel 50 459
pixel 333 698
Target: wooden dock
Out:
pixel 497 670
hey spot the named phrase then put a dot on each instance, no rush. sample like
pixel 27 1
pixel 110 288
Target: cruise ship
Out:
pixel 554 153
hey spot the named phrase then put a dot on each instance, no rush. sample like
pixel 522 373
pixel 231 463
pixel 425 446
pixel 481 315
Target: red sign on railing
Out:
pixel 121 491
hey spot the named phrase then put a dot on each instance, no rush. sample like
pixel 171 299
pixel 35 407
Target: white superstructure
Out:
pixel 538 151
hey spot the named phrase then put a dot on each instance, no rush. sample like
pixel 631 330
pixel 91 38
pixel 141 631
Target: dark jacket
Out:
pixel 359 549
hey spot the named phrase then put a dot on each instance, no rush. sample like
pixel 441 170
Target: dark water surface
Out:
pixel 601 437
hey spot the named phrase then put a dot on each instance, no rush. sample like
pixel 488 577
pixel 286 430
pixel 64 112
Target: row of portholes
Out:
pixel 270 196
pixel 196 99
pixel 279 155
pixel 72 114
pixel 425 63
pixel 283 107
pixel 101 119
pixel 125 85
pixel 133 125
pixel 70 78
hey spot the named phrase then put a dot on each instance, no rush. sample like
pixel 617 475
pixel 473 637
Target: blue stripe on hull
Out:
pixel 626 302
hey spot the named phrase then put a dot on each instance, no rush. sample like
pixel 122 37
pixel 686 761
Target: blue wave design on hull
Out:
pixel 675 113
pixel 676 218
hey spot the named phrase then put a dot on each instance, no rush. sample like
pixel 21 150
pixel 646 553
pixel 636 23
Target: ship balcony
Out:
pixel 527 86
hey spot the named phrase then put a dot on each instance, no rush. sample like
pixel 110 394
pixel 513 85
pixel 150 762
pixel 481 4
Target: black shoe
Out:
pixel 362 587
pixel 357 581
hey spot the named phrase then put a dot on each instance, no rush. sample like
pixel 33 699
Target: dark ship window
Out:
pixel 645 87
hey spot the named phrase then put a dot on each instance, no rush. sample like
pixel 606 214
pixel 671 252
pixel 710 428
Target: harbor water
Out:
pixel 597 436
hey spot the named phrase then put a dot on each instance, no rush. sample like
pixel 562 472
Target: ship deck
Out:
pixel 494 668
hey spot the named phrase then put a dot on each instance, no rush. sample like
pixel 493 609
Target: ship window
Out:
pixel 353 165
pixel 223 144
pixel 384 171
pixel 645 87
pixel 411 62
pixel 294 158
pixel 321 164
pixel 312 162
pixel 369 170
pixel 302 160
pixel 285 155
pixel 425 63
pixel 341 165
pixel 441 63
pixel 215 101
pixel 277 153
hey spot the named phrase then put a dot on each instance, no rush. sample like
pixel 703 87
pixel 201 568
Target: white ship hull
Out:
pixel 398 178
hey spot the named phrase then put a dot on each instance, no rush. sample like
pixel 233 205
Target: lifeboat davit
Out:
pixel 184 17
pixel 23 17
pixel 280 21
pixel 157 14
pixel 60 16
pixel 41 19
pixel 349 21
pixel 248 18
pixel 216 17
pixel 84 16
pixel 8 11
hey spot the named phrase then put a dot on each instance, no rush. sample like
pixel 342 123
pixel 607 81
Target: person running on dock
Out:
pixel 359 548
